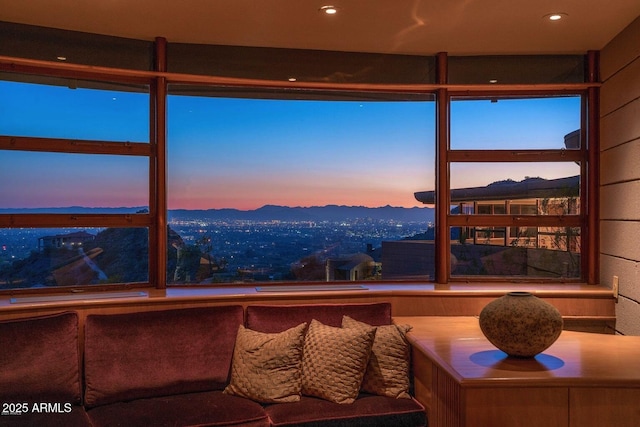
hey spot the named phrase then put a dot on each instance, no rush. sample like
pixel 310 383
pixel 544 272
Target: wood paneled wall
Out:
pixel 620 174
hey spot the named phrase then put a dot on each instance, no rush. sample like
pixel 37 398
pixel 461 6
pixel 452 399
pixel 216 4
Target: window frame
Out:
pixel 156 219
pixel 88 147
pixel 531 155
pixel 426 140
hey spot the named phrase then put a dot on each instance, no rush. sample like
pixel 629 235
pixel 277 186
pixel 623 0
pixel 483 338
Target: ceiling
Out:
pixel 422 27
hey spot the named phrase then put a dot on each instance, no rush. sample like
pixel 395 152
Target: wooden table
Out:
pixel 582 380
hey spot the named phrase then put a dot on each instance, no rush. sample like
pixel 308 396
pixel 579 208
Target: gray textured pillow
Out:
pixel 388 369
pixel 334 361
pixel 267 367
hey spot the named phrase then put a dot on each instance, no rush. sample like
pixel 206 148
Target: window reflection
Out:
pixel 545 252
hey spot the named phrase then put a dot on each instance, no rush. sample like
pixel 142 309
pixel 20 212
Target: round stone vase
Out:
pixel 521 324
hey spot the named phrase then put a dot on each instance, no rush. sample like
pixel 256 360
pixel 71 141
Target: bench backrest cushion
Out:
pixel 278 318
pixel 158 353
pixel 39 359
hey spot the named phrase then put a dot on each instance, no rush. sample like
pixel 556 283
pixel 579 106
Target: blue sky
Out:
pixel 298 153
pixel 243 153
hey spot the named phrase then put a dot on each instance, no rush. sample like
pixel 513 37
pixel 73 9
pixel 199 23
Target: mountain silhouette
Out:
pixel 329 213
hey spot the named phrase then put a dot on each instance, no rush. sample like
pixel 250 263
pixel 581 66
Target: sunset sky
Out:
pixel 248 153
pixel 243 153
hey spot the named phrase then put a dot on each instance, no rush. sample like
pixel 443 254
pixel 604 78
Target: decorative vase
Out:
pixel 521 324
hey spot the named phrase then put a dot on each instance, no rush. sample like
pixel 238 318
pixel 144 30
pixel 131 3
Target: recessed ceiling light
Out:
pixel 292 79
pixel 61 58
pixel 493 81
pixel 555 16
pixel 329 10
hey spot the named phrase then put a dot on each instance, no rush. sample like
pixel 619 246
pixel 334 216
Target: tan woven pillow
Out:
pixel 334 361
pixel 388 369
pixel 267 367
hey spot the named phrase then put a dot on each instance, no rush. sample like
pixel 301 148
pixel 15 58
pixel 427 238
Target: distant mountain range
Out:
pixel 265 213
pixel 313 213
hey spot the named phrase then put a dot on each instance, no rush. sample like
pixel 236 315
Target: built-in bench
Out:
pixel 174 367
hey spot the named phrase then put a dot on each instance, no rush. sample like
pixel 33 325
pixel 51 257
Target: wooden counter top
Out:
pixel 576 359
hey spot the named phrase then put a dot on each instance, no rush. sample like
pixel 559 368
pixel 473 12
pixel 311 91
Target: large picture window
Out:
pixel 264 190
pixel 114 177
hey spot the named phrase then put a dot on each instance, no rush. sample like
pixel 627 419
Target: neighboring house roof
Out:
pixel 530 188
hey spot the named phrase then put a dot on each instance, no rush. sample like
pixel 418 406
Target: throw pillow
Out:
pixel 334 361
pixel 387 373
pixel 267 367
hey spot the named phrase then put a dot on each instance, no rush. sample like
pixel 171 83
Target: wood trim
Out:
pixel 447 400
pixel 442 71
pixel 32 66
pixel 407 299
pixel 160 183
pixel 592 196
pixel 516 220
pixel 515 156
pixel 75 220
pixel 443 196
pixel 59 145
pixel 160 63
pixel 423 372
pixel 154 238
pixel 158 258
pixel 73 71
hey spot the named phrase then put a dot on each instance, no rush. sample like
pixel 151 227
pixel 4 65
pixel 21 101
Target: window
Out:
pixel 516 180
pixel 75 167
pixel 265 190
pixel 73 109
pixel 311 180
pixel 55 257
pixel 73 183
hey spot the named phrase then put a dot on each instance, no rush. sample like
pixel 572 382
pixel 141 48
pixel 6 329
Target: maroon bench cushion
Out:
pixel 210 408
pixel 39 360
pixel 77 417
pixel 277 318
pixel 158 353
pixel 367 410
